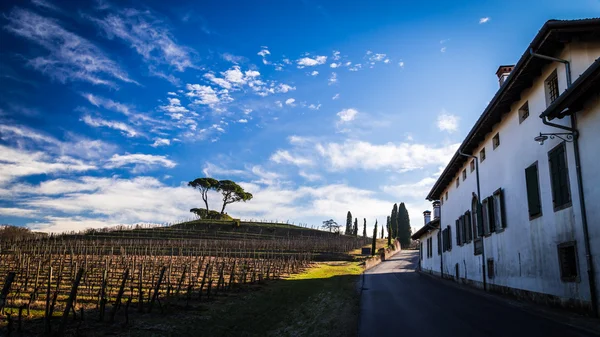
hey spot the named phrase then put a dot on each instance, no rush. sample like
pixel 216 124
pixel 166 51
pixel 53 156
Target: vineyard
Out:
pixel 73 284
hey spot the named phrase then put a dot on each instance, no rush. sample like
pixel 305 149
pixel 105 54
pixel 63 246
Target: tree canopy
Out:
pixel 348 224
pixel 331 225
pixel 404 230
pixel 204 185
pixel 232 192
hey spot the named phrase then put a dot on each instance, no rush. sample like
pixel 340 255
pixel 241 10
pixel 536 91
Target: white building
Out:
pixel 537 233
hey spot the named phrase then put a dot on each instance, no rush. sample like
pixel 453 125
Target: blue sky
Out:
pixel 107 109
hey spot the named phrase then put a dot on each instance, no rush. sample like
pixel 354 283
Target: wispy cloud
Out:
pixel 70 57
pixel 333 78
pixel 148 36
pixel 138 161
pixel 484 20
pixel 99 122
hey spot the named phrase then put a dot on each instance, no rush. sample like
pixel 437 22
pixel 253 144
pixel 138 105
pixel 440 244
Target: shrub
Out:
pixel 212 215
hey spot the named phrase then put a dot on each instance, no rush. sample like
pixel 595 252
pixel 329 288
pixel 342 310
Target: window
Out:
pixel 468 227
pixel 446 195
pixel 463 229
pixel 482 155
pixel 439 242
pixel 496 141
pixel 499 210
pixel 490 268
pixel 472 165
pixel 551 85
pixel 475 218
pixel 449 236
pixel 457 182
pixel 421 250
pixel 559 178
pixel 533 191
pixel 464 174
pixel 567 259
pixel 485 217
pixel 430 247
pixel 523 112
pixel 447 239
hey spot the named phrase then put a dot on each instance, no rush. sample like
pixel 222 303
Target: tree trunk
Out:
pixel 205 198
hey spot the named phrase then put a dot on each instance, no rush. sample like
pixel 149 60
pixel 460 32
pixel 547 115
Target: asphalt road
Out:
pixel 397 301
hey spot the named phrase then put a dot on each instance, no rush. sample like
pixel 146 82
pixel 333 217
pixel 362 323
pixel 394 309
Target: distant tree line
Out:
pixel 399 225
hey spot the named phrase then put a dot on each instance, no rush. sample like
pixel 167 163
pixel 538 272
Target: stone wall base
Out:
pixel 575 305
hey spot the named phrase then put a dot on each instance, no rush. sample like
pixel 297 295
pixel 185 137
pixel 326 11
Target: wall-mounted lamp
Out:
pixel 568 137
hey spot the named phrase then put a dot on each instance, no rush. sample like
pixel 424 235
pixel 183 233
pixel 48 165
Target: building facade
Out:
pixel 513 215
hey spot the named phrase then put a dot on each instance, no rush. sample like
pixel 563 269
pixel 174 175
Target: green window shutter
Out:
pixel 491 214
pixel 449 238
pixel 457 224
pixel 533 191
pixel 502 208
pixel 554 177
pixel 479 220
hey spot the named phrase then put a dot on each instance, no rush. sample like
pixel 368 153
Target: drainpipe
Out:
pixel 584 222
pixel 484 277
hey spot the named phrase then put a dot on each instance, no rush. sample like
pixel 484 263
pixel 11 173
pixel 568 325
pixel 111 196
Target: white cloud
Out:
pixel 447 122
pixel 243 120
pixel 99 122
pixel 443 49
pixel 347 115
pixel 17 163
pixel 283 157
pixel 484 20
pixel 161 142
pixel 386 61
pixel 70 57
pixel 290 101
pixel 138 161
pixel 284 88
pixel 264 52
pixel 314 107
pixel 204 95
pixel 279 104
pixel 418 190
pixel 401 64
pixel 170 93
pixel 336 96
pixel 147 36
pixel 219 81
pixel 355 67
pixel 174 108
pixel 376 57
pixel 311 62
pixel 336 55
pixel 309 176
pixel 314 73
pixel 400 157
pixel 333 79
pixel 335 65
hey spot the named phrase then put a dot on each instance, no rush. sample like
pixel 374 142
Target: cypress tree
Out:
pixel 348 224
pixel 355 229
pixel 382 228
pixel 374 244
pixel 394 221
pixel 365 228
pixel 404 230
pixel 389 222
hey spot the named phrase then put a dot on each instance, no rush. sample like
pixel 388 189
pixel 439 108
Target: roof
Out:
pixel 551 38
pixel 572 99
pixel 433 224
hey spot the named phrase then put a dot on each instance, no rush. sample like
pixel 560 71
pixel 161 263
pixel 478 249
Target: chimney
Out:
pixel 503 72
pixel 427 215
pixel 436 209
